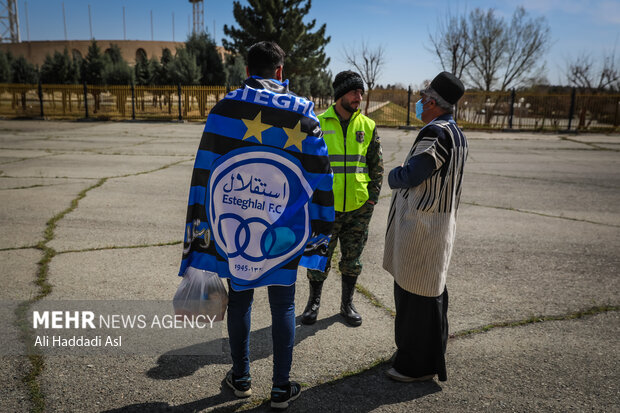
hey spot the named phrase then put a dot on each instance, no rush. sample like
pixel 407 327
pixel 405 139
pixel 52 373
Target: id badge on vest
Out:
pixel 359 136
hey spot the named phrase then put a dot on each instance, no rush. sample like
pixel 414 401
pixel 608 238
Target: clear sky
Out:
pixel 401 26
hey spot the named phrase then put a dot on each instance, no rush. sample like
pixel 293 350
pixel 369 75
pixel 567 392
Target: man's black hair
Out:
pixel 264 58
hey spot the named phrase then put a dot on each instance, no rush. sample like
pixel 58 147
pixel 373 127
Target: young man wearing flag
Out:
pixel 260 205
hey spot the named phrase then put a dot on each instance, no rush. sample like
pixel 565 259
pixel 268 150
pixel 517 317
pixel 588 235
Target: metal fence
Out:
pixel 108 102
pixel 487 110
pixel 507 110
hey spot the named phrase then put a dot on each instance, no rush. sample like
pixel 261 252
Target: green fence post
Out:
pixel 408 105
pixel 179 93
pixel 571 111
pixel 512 108
pixel 133 103
pixel 40 89
pixel 85 100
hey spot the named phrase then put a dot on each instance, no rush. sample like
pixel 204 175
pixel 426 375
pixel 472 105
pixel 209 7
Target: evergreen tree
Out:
pixel 117 74
pixel 235 71
pixel 183 68
pixel 321 86
pixel 155 70
pixel 281 21
pixel 163 75
pixel 166 56
pixel 59 69
pixel 143 71
pixel 78 64
pixel 49 73
pixel 5 68
pixel 24 71
pixel 207 57
pixel 113 54
pixel 303 86
pixel 116 70
pixel 93 65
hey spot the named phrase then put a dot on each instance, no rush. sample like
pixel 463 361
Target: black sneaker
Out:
pixel 282 396
pixel 241 385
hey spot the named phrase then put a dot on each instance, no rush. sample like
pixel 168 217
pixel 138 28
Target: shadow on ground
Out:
pixel 172 366
pixel 346 394
pixel 360 393
pixel 333 396
pixel 195 406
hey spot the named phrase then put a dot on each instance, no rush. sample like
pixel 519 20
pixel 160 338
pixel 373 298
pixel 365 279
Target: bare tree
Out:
pixel 488 44
pixel 583 73
pixel 504 56
pixel 368 63
pixel 526 43
pixel 451 44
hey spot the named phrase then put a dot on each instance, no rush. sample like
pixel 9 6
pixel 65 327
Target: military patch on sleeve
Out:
pixel 359 136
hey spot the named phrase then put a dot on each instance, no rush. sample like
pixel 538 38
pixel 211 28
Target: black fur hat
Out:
pixel 346 81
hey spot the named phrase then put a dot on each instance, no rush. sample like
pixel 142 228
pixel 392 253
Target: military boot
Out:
pixel 347 310
pixel 314 301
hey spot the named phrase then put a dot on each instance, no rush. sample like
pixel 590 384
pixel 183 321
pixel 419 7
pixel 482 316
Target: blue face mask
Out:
pixel 419 108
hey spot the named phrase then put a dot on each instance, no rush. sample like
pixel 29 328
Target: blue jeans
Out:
pixel 282 303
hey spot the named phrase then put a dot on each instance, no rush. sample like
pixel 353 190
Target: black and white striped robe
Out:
pixel 422 219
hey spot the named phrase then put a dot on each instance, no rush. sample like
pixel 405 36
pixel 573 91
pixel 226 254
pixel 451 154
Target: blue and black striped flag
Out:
pixel 261 200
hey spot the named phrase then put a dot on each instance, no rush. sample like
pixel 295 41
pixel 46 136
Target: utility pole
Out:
pixel 124 26
pixel 151 25
pixel 173 26
pixel 27 23
pixel 90 23
pixel 64 19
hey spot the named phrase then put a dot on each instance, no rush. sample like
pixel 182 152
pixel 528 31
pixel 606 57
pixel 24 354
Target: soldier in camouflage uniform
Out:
pixel 356 158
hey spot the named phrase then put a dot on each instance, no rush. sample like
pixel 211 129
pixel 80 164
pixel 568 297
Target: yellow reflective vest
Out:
pixel 348 157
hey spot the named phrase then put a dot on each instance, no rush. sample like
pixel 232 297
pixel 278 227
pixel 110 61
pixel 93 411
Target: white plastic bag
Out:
pixel 201 293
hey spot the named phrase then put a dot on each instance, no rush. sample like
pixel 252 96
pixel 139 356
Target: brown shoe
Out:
pixel 394 375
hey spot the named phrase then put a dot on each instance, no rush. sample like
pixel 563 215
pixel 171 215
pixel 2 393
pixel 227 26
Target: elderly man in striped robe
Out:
pixel 420 233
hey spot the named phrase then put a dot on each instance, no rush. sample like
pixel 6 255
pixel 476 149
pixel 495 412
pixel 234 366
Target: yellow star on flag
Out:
pixel 255 127
pixel 295 136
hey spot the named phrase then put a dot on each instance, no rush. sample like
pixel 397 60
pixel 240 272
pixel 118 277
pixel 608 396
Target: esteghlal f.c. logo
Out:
pixel 257 202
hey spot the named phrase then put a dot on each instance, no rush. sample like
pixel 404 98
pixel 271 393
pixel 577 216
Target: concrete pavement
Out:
pixel 537 246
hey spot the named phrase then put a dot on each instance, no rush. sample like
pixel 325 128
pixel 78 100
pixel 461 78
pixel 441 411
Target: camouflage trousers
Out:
pixel 351 228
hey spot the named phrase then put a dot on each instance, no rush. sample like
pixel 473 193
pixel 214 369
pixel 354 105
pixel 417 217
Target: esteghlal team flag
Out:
pixel 261 200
